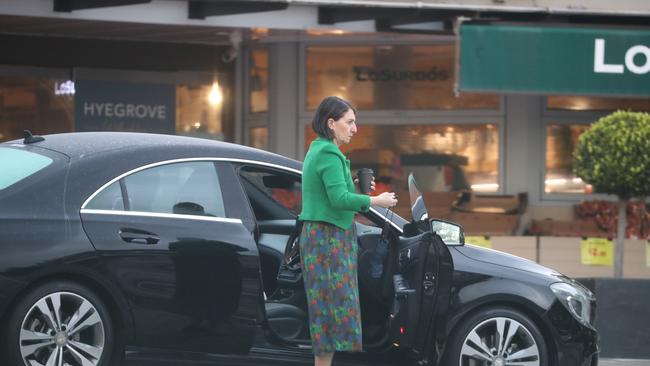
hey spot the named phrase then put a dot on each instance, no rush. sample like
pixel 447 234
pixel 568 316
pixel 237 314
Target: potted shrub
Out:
pixel 613 155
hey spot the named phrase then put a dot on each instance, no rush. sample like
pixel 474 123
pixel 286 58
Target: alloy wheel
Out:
pixel 62 329
pixel 499 341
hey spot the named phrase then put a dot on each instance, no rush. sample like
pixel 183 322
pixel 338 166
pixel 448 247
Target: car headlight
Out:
pixel 576 299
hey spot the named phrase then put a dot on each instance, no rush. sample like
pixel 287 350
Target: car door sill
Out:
pixel 274 355
pixel 257 356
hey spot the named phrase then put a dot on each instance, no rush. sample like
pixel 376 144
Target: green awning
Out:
pixel 552 60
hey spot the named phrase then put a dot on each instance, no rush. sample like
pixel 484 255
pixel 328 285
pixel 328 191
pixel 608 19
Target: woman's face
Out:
pixel 344 128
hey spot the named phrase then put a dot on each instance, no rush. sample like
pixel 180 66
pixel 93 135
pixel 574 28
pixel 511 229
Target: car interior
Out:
pixel 275 200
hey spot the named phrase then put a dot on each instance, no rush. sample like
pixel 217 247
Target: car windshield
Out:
pixel 418 208
pixel 16 165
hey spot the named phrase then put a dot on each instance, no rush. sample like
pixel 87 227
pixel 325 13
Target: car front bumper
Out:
pixel 575 343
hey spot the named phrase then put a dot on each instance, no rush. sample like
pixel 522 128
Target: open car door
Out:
pixel 422 282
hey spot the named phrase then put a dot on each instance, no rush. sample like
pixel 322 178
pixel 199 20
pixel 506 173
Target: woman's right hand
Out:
pixel 385 200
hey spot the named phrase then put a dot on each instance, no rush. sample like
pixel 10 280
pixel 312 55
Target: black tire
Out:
pixel 90 336
pixel 527 339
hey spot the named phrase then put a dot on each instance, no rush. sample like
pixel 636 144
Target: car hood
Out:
pixel 505 260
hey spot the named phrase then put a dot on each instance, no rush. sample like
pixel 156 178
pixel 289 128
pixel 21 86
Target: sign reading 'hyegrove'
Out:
pixel 550 60
pixel 110 106
pixel 125 110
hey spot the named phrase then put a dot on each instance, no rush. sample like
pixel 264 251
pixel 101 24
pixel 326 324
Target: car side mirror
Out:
pixel 450 233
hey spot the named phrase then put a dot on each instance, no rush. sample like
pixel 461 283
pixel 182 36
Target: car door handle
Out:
pixel 138 236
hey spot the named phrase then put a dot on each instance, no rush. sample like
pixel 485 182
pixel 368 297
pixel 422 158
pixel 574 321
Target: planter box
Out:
pixel 622 316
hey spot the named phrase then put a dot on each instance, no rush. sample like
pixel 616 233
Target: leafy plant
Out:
pixel 613 155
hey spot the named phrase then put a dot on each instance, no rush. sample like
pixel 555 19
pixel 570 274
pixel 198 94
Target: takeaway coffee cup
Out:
pixel 365 179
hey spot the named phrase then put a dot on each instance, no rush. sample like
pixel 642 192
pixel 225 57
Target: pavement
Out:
pixel 622 362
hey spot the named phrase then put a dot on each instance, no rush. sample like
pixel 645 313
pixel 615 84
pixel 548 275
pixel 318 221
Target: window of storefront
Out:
pixel 40 104
pixel 566 118
pixel 443 157
pixel 200 112
pixel 389 77
pixel 259 80
pixel 259 137
pixel 257 98
pixel 561 140
pixel 576 103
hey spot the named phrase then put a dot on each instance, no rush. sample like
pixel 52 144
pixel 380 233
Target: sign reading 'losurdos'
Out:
pixel 363 73
pixel 615 68
pixel 554 60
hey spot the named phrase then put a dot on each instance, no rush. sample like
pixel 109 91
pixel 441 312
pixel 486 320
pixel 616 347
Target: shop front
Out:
pixel 49 103
pixel 413 117
pixel 107 85
pixel 496 160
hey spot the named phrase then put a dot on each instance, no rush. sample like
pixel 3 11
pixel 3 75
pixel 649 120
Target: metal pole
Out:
pixel 620 239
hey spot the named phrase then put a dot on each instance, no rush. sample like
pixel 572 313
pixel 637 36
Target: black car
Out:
pixel 141 244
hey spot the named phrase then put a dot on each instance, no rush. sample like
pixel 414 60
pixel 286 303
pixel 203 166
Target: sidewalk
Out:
pixel 622 362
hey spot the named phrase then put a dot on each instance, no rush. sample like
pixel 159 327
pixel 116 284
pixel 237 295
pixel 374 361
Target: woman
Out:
pixel 328 245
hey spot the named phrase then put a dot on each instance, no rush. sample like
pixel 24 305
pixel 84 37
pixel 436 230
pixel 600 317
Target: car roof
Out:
pixel 77 145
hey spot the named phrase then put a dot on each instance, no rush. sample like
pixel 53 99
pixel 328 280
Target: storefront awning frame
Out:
pixel 594 7
pixel 429 17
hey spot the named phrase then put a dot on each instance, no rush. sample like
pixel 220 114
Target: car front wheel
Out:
pixel 60 323
pixel 497 337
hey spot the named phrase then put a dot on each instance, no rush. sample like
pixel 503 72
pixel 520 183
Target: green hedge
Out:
pixel 613 155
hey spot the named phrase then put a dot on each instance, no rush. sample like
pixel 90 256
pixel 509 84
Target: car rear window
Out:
pixel 17 165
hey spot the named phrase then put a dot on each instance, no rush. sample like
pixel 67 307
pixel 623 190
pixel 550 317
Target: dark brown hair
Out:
pixel 330 107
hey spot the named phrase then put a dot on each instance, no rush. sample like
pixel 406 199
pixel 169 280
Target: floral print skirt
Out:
pixel 329 261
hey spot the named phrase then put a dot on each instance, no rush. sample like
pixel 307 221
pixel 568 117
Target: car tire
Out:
pixel 476 340
pixel 81 333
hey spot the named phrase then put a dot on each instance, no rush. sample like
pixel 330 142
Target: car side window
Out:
pixel 109 198
pixel 282 189
pixel 182 188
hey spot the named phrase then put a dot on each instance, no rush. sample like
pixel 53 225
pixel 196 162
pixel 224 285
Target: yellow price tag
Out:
pixel 647 253
pixel 479 240
pixel 597 251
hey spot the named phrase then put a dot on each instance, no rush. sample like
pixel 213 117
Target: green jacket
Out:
pixel 327 187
